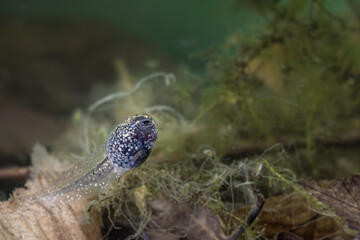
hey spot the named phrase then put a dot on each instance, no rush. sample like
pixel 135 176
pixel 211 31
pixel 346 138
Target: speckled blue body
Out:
pixel 130 143
pixel 128 146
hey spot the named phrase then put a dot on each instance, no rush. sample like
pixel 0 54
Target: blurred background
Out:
pixel 59 56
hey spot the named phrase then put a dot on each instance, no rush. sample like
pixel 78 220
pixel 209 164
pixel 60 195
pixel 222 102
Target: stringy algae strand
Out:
pixel 128 146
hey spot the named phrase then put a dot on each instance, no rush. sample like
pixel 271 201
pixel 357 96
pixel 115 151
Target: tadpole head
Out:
pixel 130 143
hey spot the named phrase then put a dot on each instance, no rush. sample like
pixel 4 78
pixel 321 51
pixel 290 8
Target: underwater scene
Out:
pixel 180 120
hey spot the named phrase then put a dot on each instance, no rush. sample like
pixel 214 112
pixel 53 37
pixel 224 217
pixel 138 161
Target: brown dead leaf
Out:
pixel 172 220
pixel 21 219
pixel 268 67
pixel 343 196
pixel 287 236
pixel 292 213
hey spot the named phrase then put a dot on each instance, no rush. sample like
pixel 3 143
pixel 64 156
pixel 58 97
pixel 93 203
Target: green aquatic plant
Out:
pixel 293 81
pixel 206 181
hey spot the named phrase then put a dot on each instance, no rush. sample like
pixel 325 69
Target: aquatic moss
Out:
pixel 294 80
pixel 206 181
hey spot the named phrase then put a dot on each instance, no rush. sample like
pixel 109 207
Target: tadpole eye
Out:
pixel 146 122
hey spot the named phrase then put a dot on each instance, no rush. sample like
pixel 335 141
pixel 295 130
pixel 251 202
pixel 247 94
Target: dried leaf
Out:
pixel 268 67
pixel 37 220
pixel 287 236
pixel 343 196
pixel 172 221
pixel 292 213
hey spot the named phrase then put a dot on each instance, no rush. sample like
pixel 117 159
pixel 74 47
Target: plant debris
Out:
pixel 343 195
pixel 172 220
pixel 20 219
pixel 296 215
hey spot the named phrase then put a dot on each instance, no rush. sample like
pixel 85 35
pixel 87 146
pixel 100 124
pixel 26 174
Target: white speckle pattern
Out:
pixel 128 146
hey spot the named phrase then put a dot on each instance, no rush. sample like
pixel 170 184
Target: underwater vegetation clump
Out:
pixel 295 81
pixel 206 182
